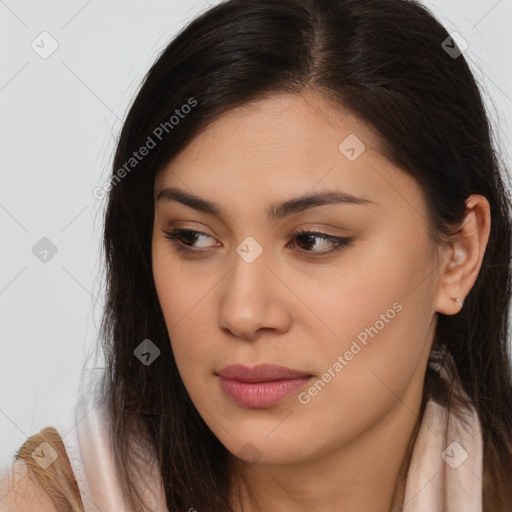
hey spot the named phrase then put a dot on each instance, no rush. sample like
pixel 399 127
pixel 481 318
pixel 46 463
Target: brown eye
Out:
pixel 308 239
pixel 183 239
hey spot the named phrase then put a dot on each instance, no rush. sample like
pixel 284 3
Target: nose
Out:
pixel 253 300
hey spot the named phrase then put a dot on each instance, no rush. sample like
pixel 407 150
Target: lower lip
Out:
pixel 260 394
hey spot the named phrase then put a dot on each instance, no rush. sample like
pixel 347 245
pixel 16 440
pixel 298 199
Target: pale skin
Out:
pixel 347 449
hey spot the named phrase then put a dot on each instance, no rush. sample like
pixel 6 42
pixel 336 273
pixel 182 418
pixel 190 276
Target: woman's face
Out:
pixel 356 319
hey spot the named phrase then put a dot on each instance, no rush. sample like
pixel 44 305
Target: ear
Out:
pixel 462 257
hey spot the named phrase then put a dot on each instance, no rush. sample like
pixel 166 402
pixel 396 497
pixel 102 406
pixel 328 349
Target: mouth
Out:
pixel 260 386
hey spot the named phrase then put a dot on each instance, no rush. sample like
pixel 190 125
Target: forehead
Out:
pixel 285 146
pixel 279 132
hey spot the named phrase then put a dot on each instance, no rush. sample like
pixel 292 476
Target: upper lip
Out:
pixel 260 373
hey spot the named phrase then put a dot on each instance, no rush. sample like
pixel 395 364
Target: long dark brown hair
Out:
pixel 385 61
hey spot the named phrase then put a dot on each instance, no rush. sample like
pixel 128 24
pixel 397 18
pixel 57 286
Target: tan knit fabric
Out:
pixel 55 478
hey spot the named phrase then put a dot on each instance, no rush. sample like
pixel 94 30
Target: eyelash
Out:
pixel 337 242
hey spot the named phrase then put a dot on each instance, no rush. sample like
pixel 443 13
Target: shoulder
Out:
pixel 41 478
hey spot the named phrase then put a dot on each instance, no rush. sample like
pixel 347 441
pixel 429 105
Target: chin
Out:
pixel 254 451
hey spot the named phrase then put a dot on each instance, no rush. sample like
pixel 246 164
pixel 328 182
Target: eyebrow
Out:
pixel 275 211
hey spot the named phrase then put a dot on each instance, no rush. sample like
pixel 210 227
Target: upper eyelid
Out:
pixel 295 233
pixel 335 241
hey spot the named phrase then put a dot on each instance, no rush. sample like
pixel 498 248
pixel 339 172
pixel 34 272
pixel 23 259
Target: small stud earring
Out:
pixel 457 300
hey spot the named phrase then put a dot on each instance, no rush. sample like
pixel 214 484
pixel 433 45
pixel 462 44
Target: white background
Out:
pixel 60 117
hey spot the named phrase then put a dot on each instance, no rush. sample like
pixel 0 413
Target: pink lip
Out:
pixel 263 385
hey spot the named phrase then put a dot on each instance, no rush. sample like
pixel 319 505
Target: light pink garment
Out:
pixel 445 473
pixel 85 438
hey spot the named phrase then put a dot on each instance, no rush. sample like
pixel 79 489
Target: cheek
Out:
pixel 190 340
pixel 383 324
pixel 184 308
pixel 370 367
pixel 369 280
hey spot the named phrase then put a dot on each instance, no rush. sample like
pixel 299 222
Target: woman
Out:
pixel 307 243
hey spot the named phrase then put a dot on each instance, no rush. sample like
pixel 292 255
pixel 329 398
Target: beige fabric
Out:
pixel 445 473
pixel 85 437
